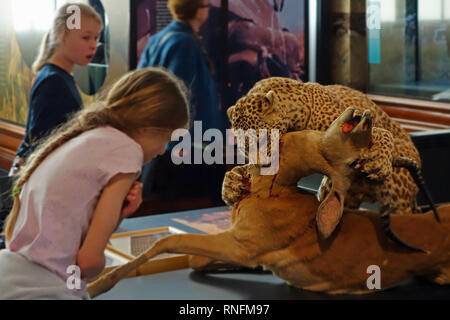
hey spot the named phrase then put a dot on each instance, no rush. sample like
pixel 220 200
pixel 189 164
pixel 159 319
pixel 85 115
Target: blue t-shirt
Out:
pixel 54 96
pixel 176 49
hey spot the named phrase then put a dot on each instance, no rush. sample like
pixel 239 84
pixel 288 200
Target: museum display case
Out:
pixel 409 48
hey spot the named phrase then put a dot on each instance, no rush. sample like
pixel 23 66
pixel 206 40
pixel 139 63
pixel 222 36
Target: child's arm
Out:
pixel 132 201
pixel 91 257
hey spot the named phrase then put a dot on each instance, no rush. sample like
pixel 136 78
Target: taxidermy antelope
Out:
pixel 288 232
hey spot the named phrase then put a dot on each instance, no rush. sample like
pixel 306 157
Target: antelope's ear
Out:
pixel 329 214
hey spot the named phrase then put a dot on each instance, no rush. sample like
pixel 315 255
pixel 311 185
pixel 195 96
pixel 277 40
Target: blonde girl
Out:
pixel 54 94
pixel 69 195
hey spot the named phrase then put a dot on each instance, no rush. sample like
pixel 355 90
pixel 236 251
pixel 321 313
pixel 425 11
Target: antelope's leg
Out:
pixel 206 264
pixel 388 206
pixel 222 246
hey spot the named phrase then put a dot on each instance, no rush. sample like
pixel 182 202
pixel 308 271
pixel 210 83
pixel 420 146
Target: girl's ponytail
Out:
pixel 86 119
pixel 46 50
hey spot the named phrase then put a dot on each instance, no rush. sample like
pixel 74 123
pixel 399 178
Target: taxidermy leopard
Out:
pixel 390 167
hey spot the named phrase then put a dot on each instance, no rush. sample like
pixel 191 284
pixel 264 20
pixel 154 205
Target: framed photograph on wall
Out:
pixel 147 18
pixel 246 40
pixel 265 39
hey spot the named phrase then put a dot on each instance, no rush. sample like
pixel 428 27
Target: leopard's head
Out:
pixel 258 111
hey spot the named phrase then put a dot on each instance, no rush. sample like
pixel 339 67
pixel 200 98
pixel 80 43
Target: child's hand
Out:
pixel 133 200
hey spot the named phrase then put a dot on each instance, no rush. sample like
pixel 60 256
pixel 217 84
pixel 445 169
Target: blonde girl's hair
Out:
pixel 59 30
pixel 149 97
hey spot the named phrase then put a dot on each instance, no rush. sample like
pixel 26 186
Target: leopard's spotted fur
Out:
pixel 290 105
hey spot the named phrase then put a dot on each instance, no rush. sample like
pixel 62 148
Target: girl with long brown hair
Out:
pixel 68 197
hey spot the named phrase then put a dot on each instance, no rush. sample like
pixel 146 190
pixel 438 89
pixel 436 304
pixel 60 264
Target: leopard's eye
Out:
pixel 353 164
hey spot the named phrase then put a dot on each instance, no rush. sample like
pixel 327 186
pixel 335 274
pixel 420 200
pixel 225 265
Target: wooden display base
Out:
pixel 126 246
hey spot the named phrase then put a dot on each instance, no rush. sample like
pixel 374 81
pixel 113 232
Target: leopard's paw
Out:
pixel 235 184
pixel 375 162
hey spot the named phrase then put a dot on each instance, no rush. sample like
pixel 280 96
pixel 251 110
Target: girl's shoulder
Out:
pixel 107 149
pixel 50 70
pixel 52 76
pixel 107 137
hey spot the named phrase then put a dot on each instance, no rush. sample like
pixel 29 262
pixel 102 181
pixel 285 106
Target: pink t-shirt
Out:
pixel 58 201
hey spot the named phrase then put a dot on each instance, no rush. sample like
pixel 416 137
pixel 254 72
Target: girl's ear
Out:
pixel 60 36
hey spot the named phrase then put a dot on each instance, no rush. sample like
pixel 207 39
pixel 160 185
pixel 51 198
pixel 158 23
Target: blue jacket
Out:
pixel 54 96
pixel 176 49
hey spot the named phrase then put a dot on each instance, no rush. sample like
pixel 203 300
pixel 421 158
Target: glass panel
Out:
pixel 91 78
pixel 412 38
pixel 265 39
pixel 23 24
pixel 249 41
